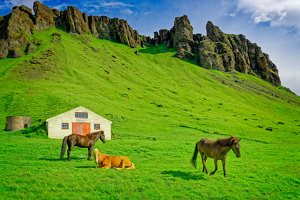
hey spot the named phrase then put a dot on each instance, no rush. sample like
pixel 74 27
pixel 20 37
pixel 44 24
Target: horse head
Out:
pixel 236 146
pixel 100 135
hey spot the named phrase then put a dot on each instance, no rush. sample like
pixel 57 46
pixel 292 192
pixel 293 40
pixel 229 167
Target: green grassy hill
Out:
pixel 160 107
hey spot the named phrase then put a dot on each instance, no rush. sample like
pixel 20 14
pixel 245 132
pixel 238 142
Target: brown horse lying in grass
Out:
pixel 106 161
pixel 217 150
pixel 87 141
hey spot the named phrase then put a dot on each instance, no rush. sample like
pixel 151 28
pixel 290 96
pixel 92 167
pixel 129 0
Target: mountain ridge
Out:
pixel 217 50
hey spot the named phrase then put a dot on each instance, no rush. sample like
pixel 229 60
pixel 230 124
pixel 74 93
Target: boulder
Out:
pixel 3 49
pixel 31 48
pixel 56 34
pixel 137 53
pixel 16 53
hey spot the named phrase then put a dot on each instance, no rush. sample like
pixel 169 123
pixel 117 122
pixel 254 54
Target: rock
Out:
pixel 95 50
pixel 215 34
pixel 16 53
pixel 182 31
pixel 3 49
pixel 15 29
pixel 226 52
pixel 76 21
pixel 182 36
pixel 55 39
pixel 31 48
pixel 208 58
pixel 114 30
pixel 144 39
pixel 269 129
pixel 45 16
pixel 197 38
pixel 184 52
pixel 164 36
pixel 217 50
pixel 56 34
pixel 135 37
pixel 137 53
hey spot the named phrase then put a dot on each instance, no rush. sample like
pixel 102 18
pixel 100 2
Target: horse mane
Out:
pixel 95 133
pixel 225 141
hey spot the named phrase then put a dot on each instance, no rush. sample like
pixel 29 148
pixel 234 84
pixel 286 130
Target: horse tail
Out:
pixel 63 147
pixel 96 155
pixel 194 158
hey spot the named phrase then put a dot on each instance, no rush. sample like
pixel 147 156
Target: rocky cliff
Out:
pixel 16 27
pixel 217 50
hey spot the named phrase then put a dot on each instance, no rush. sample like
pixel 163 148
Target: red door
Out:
pixel 81 128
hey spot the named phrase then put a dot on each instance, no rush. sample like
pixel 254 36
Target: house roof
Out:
pixel 78 109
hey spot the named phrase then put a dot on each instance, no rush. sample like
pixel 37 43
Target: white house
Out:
pixel 79 121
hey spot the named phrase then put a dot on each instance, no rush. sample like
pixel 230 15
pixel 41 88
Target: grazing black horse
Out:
pixel 217 150
pixel 87 141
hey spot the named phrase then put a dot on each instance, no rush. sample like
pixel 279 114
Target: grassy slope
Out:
pixel 127 89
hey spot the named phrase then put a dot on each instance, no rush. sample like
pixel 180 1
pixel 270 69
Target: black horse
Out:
pixel 87 141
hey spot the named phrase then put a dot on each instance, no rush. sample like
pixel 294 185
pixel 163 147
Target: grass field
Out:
pixel 160 107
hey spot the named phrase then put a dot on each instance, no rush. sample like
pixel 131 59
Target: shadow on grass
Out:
pixel 85 167
pixel 58 159
pixel 185 175
pixel 157 50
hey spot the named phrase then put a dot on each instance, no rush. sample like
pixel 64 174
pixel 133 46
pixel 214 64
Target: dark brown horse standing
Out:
pixel 87 141
pixel 217 150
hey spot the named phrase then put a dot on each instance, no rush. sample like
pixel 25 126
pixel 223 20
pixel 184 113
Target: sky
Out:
pixel 274 25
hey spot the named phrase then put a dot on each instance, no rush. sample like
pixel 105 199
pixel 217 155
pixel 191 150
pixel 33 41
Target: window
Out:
pixel 65 126
pixel 96 126
pixel 81 115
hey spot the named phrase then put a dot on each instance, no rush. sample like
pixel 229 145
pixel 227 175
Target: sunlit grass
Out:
pixel 160 107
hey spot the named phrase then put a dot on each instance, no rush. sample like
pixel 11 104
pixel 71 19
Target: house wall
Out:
pixel 54 124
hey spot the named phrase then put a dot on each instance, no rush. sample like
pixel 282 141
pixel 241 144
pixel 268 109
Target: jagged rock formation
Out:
pixel 182 36
pixel 114 30
pixel 16 27
pixel 217 50
pixel 45 16
pixel 228 52
pixel 74 21
pixel 15 30
pixel 179 37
